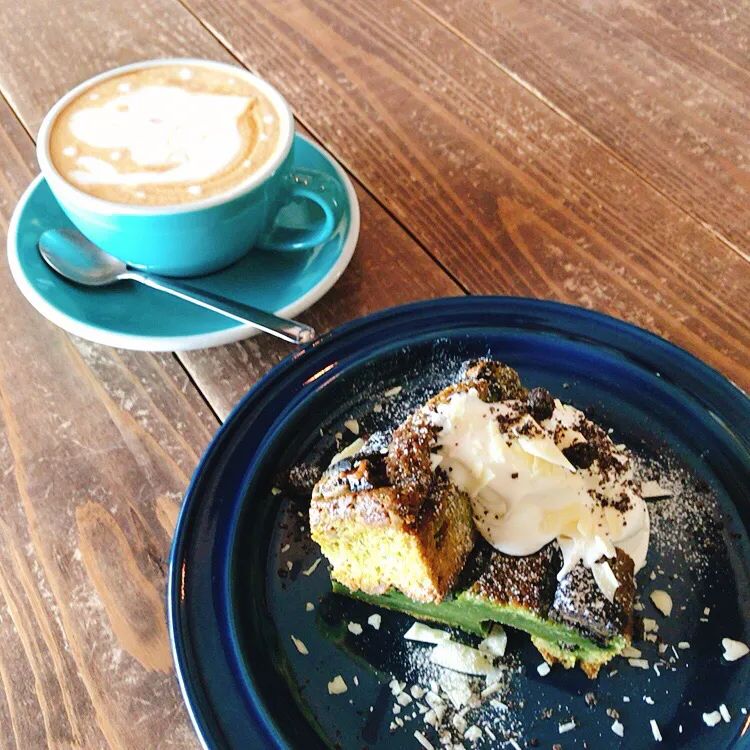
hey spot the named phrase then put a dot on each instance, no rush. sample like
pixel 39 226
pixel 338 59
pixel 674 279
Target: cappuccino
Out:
pixel 165 135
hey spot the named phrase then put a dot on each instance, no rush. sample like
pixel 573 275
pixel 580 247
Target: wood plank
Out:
pixel 388 268
pixel 721 26
pixel 506 193
pixel 96 448
pixel 675 111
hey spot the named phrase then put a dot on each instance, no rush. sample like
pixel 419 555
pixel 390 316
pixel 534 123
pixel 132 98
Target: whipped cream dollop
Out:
pixel 525 491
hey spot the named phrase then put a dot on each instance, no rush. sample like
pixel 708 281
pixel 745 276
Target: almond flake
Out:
pixel 312 568
pixel 423 741
pixel 300 646
pixel 425 634
pixel 655 730
pixel 495 643
pixel 734 650
pixel 349 451
pixel 396 687
pixel 662 601
pixel 460 723
pixel 712 719
pixel 473 733
pixel 337 686
pixel 605 579
pixel 460 658
pixel 651 489
pixel 545 449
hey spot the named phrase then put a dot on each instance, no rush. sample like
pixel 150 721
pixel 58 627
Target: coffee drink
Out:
pixel 165 135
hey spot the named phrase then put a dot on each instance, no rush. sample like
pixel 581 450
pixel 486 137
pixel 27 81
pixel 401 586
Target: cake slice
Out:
pixel 398 519
pixel 377 537
pixel 386 519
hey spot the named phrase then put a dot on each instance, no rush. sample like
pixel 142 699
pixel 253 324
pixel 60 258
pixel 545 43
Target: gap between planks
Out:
pixel 534 91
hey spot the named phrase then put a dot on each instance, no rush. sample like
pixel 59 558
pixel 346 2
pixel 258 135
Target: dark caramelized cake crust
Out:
pixel 527 582
pixel 378 536
pixel 581 605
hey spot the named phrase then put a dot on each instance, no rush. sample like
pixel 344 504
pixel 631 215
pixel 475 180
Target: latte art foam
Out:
pixel 165 135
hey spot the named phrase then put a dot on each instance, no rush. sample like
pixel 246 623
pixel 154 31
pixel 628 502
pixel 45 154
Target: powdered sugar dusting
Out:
pixel 684 524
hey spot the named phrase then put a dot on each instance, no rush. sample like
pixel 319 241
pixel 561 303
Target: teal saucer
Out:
pixel 132 316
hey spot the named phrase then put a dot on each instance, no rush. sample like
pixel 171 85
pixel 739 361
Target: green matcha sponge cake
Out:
pixel 400 534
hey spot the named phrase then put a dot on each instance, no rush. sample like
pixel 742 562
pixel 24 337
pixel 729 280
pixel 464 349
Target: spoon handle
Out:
pixel 289 330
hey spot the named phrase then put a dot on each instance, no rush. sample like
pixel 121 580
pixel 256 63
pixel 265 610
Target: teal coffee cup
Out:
pixel 200 236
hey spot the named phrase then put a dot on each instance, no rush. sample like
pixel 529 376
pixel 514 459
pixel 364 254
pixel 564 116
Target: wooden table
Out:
pixel 595 153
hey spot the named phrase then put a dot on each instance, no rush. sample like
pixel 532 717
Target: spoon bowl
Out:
pixel 73 256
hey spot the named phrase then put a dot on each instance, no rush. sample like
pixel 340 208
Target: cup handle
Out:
pixel 319 188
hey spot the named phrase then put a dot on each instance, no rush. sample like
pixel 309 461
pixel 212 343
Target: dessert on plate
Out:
pixel 489 504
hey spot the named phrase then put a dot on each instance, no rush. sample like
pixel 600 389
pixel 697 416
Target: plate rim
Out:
pixel 184 342
pixel 713 380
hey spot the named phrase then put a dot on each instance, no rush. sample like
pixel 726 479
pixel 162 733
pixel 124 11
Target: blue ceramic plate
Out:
pixel 235 598
pixel 132 316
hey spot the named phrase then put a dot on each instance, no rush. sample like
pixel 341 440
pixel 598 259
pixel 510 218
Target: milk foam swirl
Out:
pixel 179 136
pixel 168 134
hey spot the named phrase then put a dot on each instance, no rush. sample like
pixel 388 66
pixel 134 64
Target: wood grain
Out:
pixel 507 194
pixel 723 27
pixel 96 447
pixel 675 111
